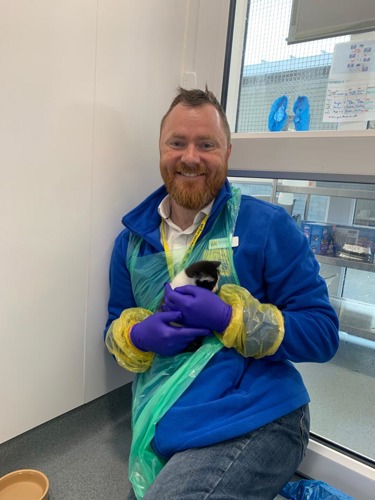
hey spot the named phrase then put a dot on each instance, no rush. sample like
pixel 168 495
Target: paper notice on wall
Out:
pixel 349 102
pixel 351 85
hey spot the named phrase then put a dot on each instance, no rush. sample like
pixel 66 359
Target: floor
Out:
pixel 341 410
pixel 342 396
pixel 84 453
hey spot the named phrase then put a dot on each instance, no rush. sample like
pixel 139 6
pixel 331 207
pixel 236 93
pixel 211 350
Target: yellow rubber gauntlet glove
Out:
pixel 119 344
pixel 255 330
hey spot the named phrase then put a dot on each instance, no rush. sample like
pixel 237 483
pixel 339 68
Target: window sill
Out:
pixel 313 155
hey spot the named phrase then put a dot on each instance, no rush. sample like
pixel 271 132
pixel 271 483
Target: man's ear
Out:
pixel 229 151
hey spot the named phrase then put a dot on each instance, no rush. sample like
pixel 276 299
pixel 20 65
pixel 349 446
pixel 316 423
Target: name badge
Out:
pixel 235 241
pixel 222 243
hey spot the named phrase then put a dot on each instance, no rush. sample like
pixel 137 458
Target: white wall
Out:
pixel 142 56
pixel 138 67
pixel 83 85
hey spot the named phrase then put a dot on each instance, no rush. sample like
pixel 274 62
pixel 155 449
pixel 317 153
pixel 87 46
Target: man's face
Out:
pixel 194 155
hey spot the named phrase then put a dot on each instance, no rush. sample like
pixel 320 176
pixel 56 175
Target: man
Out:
pixel 230 420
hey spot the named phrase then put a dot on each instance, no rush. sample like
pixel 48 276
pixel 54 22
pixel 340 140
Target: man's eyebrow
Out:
pixel 202 137
pixel 198 138
pixel 209 138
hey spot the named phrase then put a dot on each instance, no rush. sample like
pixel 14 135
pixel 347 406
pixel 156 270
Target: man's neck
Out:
pixel 182 217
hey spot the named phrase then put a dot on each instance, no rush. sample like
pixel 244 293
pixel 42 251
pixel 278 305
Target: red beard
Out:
pixel 193 197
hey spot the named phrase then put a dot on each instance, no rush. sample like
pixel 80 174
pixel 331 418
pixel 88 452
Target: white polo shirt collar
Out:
pixel 178 239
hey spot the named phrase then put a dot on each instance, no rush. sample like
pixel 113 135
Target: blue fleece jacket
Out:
pixel 234 395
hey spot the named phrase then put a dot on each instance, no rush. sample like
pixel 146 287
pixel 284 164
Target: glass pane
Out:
pixel 343 390
pixel 271 69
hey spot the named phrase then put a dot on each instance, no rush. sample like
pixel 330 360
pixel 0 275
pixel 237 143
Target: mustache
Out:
pixel 182 168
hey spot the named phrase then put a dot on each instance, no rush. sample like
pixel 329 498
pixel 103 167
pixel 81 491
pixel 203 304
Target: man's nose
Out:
pixel 190 155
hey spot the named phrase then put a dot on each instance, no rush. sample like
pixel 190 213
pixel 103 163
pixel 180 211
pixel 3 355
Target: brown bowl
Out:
pixel 25 484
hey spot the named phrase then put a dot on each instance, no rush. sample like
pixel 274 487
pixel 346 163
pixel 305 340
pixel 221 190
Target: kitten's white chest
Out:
pixel 181 280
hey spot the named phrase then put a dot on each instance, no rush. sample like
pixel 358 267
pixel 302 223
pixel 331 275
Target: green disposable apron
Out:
pixel 156 390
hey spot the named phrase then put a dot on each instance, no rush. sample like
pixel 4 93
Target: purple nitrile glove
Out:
pixel 156 334
pixel 200 308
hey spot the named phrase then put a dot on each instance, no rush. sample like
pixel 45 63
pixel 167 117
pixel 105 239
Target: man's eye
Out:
pixel 176 144
pixel 207 145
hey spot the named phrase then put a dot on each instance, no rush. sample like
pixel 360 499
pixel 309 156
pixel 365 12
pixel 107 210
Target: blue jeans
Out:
pixel 253 466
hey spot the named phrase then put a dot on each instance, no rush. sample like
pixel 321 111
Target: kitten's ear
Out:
pixel 216 263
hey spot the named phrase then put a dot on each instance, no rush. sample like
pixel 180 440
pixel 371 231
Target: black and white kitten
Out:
pixel 205 274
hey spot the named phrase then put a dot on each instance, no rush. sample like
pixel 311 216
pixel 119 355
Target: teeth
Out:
pixel 189 175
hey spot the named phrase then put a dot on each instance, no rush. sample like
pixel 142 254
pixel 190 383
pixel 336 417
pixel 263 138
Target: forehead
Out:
pixel 184 120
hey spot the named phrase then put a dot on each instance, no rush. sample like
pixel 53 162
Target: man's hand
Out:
pixel 199 308
pixel 156 334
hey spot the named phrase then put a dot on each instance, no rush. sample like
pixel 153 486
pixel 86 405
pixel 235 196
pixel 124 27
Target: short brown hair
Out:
pixel 196 98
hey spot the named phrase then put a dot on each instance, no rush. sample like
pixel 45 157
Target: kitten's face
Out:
pixel 204 273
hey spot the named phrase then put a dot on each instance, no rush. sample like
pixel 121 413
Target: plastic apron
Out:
pixel 156 390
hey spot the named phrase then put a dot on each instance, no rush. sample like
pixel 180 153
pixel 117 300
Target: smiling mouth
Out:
pixel 189 174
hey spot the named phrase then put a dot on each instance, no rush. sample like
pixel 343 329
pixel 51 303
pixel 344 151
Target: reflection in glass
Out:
pixel 343 390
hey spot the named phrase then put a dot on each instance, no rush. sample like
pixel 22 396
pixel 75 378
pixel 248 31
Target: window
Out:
pixel 269 69
pixel 325 176
pixel 343 390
